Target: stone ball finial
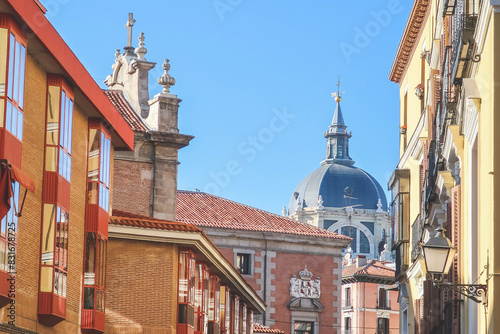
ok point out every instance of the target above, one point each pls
(166, 80)
(141, 50)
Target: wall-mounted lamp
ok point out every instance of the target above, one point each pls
(419, 91)
(438, 257)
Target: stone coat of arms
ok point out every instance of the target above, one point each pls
(305, 287)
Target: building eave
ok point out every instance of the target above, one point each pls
(407, 44)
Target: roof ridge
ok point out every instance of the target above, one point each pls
(259, 210)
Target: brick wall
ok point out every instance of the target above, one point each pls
(142, 287)
(135, 180)
(28, 254)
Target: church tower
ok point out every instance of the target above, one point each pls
(341, 197)
(157, 139)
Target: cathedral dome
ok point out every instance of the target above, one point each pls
(339, 185)
(338, 182)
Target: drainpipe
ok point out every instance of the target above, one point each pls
(153, 186)
(264, 280)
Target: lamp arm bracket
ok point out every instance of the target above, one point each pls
(476, 292)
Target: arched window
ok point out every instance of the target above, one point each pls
(364, 244)
(360, 242)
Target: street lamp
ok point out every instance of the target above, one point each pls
(438, 256)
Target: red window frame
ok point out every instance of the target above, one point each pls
(214, 308)
(225, 309)
(96, 230)
(12, 63)
(55, 201)
(186, 288)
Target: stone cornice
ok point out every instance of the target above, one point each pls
(411, 33)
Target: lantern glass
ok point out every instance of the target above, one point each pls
(436, 259)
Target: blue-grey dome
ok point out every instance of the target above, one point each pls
(332, 181)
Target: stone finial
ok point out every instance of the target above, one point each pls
(320, 202)
(141, 50)
(166, 80)
(117, 54)
(348, 256)
(284, 211)
(379, 206)
(299, 204)
(385, 255)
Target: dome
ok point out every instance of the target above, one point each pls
(339, 186)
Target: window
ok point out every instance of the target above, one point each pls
(382, 326)
(347, 325)
(12, 78)
(201, 298)
(214, 304)
(303, 327)
(243, 263)
(96, 230)
(235, 314)
(54, 260)
(360, 242)
(347, 296)
(328, 223)
(187, 273)
(59, 128)
(383, 298)
(225, 309)
(370, 226)
(12, 73)
(99, 168)
(95, 272)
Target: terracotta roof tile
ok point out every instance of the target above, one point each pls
(130, 219)
(372, 268)
(116, 97)
(206, 210)
(257, 328)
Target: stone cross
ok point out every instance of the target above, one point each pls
(129, 25)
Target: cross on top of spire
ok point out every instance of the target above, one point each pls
(129, 25)
(338, 93)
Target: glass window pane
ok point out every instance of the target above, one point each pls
(3, 59)
(46, 279)
(20, 125)
(90, 247)
(13, 127)
(51, 159)
(364, 244)
(49, 217)
(63, 117)
(103, 155)
(88, 298)
(53, 115)
(8, 117)
(70, 136)
(351, 232)
(11, 66)
(21, 76)
(15, 92)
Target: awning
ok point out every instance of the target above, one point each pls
(8, 173)
(22, 179)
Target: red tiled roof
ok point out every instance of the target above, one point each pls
(206, 210)
(130, 219)
(372, 268)
(116, 97)
(263, 329)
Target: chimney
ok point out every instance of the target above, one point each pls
(360, 261)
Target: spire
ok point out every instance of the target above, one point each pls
(129, 49)
(337, 146)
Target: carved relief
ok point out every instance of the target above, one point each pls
(305, 287)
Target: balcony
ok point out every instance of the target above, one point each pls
(462, 44)
(416, 233)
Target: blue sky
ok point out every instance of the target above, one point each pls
(255, 78)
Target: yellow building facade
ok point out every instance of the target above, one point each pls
(447, 69)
